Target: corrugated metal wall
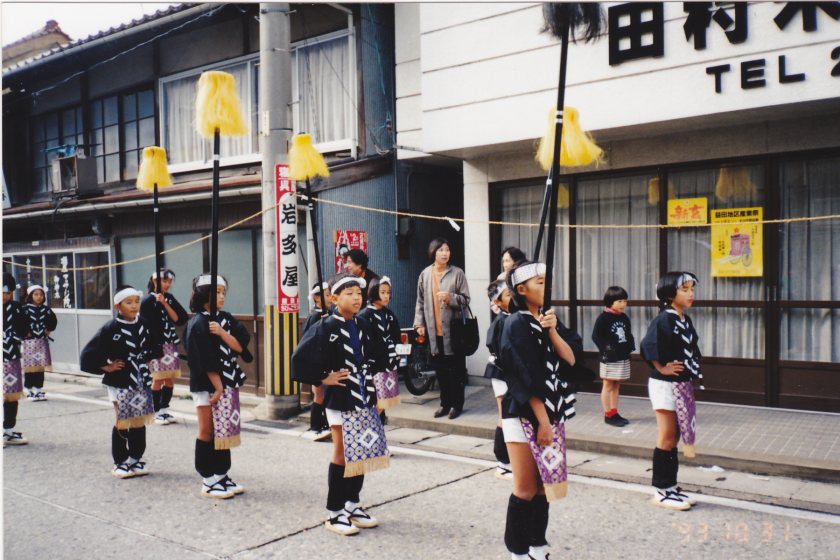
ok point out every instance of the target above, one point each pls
(377, 72)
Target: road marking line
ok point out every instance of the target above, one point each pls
(605, 483)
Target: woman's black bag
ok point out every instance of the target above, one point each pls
(463, 333)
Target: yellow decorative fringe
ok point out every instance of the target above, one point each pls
(562, 197)
(734, 182)
(578, 147)
(153, 169)
(136, 422)
(34, 369)
(653, 191)
(172, 374)
(382, 404)
(688, 450)
(217, 106)
(367, 466)
(556, 491)
(12, 397)
(304, 160)
(228, 442)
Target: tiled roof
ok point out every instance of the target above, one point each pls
(51, 27)
(133, 23)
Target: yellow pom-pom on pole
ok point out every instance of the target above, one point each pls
(304, 160)
(217, 106)
(578, 147)
(734, 182)
(653, 191)
(562, 197)
(153, 169)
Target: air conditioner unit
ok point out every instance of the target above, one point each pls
(74, 175)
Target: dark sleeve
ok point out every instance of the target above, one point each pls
(631, 341)
(310, 360)
(656, 340)
(395, 328)
(183, 317)
(598, 334)
(519, 355)
(579, 371)
(147, 308)
(50, 320)
(696, 338)
(21, 323)
(152, 348)
(202, 349)
(95, 354)
(313, 318)
(239, 332)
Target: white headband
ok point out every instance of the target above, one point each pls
(6, 289)
(126, 293)
(205, 279)
(525, 273)
(167, 274)
(34, 287)
(497, 293)
(316, 289)
(685, 277)
(346, 280)
(385, 280)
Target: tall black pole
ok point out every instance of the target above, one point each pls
(546, 196)
(314, 221)
(158, 244)
(214, 232)
(555, 170)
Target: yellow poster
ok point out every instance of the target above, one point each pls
(687, 211)
(737, 249)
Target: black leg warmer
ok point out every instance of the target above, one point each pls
(10, 409)
(156, 395)
(661, 475)
(33, 379)
(315, 416)
(353, 486)
(540, 506)
(336, 495)
(221, 460)
(165, 396)
(520, 518)
(119, 445)
(204, 457)
(137, 442)
(499, 447)
(673, 466)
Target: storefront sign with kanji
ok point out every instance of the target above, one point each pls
(288, 288)
(688, 211)
(344, 242)
(737, 247)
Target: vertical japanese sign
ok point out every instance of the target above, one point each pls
(287, 243)
(344, 242)
(688, 211)
(737, 247)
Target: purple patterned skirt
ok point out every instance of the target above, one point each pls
(686, 414)
(167, 367)
(387, 389)
(365, 446)
(12, 381)
(135, 407)
(36, 355)
(551, 460)
(227, 419)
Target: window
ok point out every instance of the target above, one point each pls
(323, 89)
(51, 130)
(121, 126)
(94, 285)
(61, 282)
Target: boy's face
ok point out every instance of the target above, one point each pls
(6, 297)
(504, 299)
(129, 307)
(348, 300)
(619, 305)
(685, 295)
(384, 294)
(533, 290)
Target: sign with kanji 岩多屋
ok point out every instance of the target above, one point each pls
(737, 243)
(288, 297)
(688, 211)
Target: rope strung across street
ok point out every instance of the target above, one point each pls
(439, 218)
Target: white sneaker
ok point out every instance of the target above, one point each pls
(122, 470)
(232, 486)
(162, 419)
(359, 517)
(692, 501)
(340, 523)
(14, 438)
(216, 490)
(668, 498)
(138, 468)
(503, 472)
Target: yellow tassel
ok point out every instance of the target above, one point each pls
(382, 404)
(734, 182)
(153, 169)
(217, 106)
(688, 450)
(653, 191)
(556, 491)
(304, 160)
(562, 197)
(357, 468)
(578, 147)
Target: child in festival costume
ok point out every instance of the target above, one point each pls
(615, 343)
(121, 350)
(342, 352)
(215, 378)
(164, 313)
(671, 349)
(35, 349)
(386, 324)
(538, 356)
(14, 328)
(317, 417)
(500, 298)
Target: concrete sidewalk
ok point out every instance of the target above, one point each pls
(758, 440)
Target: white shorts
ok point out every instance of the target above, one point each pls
(512, 430)
(201, 398)
(661, 394)
(499, 387)
(334, 417)
(112, 394)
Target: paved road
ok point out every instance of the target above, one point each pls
(60, 501)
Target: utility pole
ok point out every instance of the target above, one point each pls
(281, 329)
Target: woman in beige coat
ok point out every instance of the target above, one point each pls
(441, 291)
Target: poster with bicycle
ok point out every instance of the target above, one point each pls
(737, 243)
(345, 241)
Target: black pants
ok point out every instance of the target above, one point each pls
(33, 379)
(10, 410)
(452, 376)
